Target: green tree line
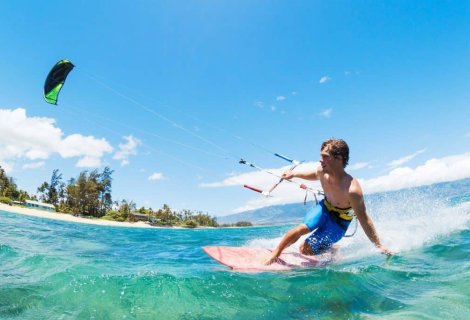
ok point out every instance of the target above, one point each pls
(89, 194)
(165, 216)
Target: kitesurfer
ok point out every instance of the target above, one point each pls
(329, 220)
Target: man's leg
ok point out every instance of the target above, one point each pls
(306, 249)
(313, 220)
(291, 237)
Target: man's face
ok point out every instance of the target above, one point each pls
(328, 162)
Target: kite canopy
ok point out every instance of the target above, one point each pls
(55, 80)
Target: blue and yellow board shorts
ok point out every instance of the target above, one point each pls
(328, 228)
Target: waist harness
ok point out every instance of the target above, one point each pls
(346, 214)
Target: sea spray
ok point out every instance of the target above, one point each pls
(405, 220)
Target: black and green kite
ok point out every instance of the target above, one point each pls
(55, 80)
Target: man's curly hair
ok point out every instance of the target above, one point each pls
(337, 147)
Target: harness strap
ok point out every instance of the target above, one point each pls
(354, 232)
(342, 213)
(307, 189)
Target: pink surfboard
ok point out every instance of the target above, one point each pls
(251, 259)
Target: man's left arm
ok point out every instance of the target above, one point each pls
(357, 203)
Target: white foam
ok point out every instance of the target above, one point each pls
(405, 222)
(407, 225)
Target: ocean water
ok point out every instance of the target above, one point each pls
(57, 270)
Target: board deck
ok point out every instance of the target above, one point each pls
(251, 259)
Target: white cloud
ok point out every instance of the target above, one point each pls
(405, 159)
(324, 79)
(350, 73)
(37, 138)
(326, 113)
(127, 149)
(467, 135)
(358, 166)
(259, 104)
(8, 167)
(156, 176)
(232, 181)
(294, 93)
(34, 165)
(32, 138)
(280, 98)
(89, 148)
(432, 171)
(260, 202)
(273, 108)
(88, 162)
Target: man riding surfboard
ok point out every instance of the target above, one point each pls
(329, 220)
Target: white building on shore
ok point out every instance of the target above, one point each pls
(39, 205)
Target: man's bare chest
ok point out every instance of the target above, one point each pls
(336, 193)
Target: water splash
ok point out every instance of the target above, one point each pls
(405, 220)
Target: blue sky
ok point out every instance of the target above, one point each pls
(162, 89)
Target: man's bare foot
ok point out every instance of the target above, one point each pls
(270, 259)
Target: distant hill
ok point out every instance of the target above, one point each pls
(280, 214)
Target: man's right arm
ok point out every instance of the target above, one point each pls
(306, 175)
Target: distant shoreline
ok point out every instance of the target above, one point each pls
(70, 218)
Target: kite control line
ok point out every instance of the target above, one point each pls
(268, 193)
(56, 79)
(294, 163)
(242, 161)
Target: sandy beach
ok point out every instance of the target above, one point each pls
(70, 218)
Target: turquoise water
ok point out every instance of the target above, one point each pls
(57, 270)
